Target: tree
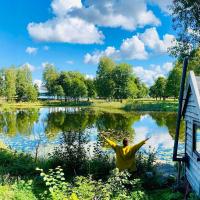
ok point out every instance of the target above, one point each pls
(50, 76)
(78, 89)
(186, 21)
(25, 89)
(2, 83)
(173, 82)
(91, 88)
(65, 81)
(123, 78)
(104, 82)
(160, 85)
(31, 93)
(10, 83)
(142, 89)
(153, 92)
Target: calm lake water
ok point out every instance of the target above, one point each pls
(41, 130)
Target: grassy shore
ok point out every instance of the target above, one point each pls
(126, 105)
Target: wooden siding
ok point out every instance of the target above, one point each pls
(193, 169)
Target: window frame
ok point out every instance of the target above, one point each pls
(195, 126)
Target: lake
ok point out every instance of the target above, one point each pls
(39, 131)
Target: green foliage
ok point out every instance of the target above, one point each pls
(186, 21)
(10, 83)
(159, 88)
(50, 76)
(119, 186)
(91, 88)
(173, 82)
(105, 85)
(20, 190)
(193, 196)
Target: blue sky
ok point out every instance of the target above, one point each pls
(74, 34)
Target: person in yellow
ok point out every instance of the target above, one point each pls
(125, 155)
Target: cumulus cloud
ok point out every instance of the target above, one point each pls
(127, 14)
(163, 4)
(135, 48)
(31, 67)
(152, 40)
(65, 28)
(78, 22)
(149, 75)
(31, 50)
(68, 30)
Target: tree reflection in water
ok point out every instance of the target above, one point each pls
(74, 129)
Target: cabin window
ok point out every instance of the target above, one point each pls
(196, 144)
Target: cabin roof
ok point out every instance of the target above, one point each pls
(192, 86)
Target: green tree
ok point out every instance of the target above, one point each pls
(186, 21)
(153, 92)
(10, 83)
(161, 87)
(91, 88)
(50, 77)
(65, 81)
(104, 82)
(78, 89)
(173, 82)
(25, 89)
(2, 83)
(142, 89)
(123, 78)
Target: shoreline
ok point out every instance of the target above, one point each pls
(126, 106)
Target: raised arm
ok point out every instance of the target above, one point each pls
(137, 146)
(110, 142)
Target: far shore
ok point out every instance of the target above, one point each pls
(147, 104)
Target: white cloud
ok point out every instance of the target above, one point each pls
(168, 66)
(149, 75)
(31, 67)
(46, 48)
(38, 83)
(61, 7)
(127, 14)
(89, 76)
(68, 30)
(64, 28)
(152, 40)
(77, 22)
(70, 62)
(31, 50)
(135, 48)
(163, 4)
(44, 64)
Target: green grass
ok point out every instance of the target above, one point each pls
(136, 105)
(147, 104)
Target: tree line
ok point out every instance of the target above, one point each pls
(16, 84)
(170, 86)
(113, 81)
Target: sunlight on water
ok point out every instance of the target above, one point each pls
(41, 130)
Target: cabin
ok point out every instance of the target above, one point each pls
(190, 112)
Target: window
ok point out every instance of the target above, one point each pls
(196, 138)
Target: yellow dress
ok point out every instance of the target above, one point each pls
(125, 156)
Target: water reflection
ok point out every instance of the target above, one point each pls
(40, 131)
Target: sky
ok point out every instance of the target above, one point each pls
(74, 34)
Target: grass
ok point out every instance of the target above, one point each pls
(147, 104)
